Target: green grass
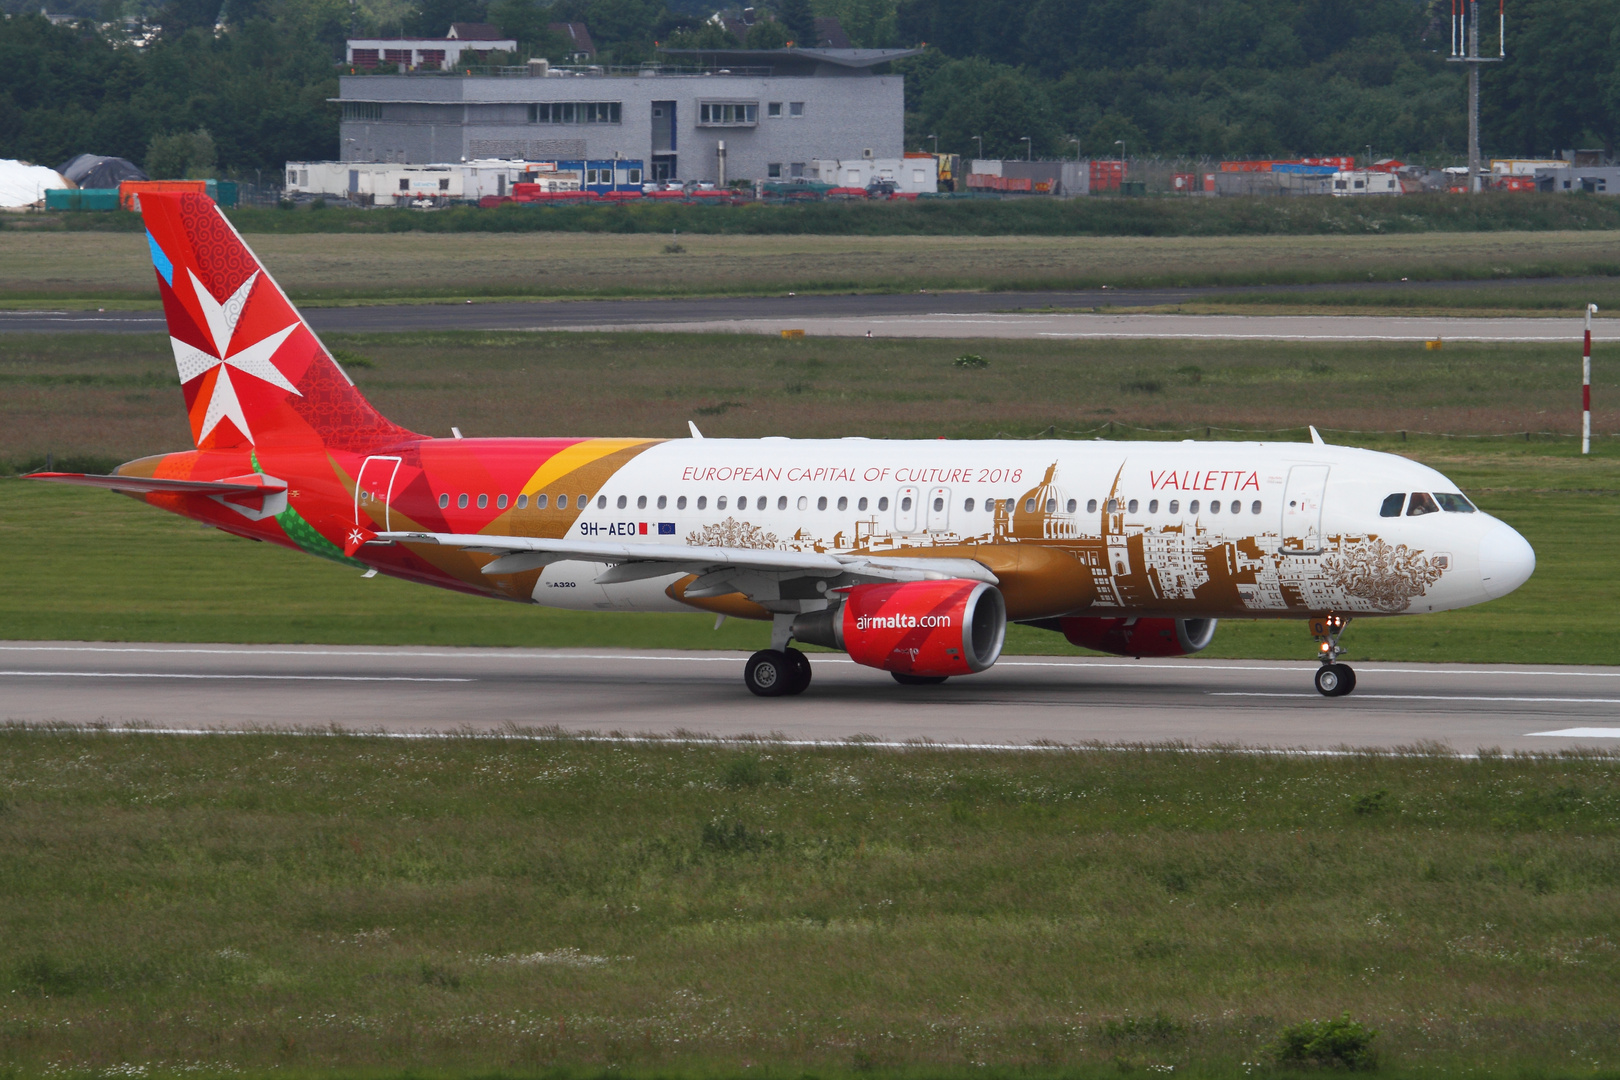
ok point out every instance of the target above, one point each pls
(348, 906)
(1491, 212)
(93, 565)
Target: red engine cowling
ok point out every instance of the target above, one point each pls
(1139, 637)
(927, 628)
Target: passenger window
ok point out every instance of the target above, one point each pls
(483, 501)
(1454, 504)
(1113, 506)
(1214, 506)
(1051, 506)
(1192, 507)
(781, 502)
(562, 502)
(1153, 506)
(523, 502)
(1072, 505)
(1236, 507)
(623, 502)
(500, 502)
(905, 503)
(939, 504)
(540, 502)
(663, 501)
(804, 503)
(862, 504)
(821, 503)
(1091, 506)
(1130, 507)
(1175, 506)
(1255, 509)
(967, 506)
(680, 503)
(582, 501)
(461, 501)
(444, 500)
(1029, 506)
(601, 502)
(641, 502)
(703, 502)
(843, 502)
(720, 503)
(1392, 505)
(742, 503)
(883, 503)
(1422, 503)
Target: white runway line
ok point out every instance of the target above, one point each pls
(1428, 697)
(184, 675)
(1580, 733)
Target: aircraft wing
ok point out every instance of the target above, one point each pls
(723, 568)
(248, 485)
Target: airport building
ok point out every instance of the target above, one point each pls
(715, 116)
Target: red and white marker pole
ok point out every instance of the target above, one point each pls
(1586, 385)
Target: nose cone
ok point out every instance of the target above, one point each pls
(1506, 560)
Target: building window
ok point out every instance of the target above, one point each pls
(774, 109)
(635, 176)
(366, 58)
(796, 108)
(774, 170)
(361, 110)
(430, 58)
(574, 112)
(728, 113)
(796, 170)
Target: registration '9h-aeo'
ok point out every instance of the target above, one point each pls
(911, 556)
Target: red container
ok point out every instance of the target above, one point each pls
(1106, 175)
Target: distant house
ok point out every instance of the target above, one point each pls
(580, 45)
(830, 34)
(474, 31)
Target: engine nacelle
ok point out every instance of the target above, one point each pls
(927, 628)
(1138, 637)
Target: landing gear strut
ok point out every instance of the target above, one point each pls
(1333, 679)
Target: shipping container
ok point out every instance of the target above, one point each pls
(81, 198)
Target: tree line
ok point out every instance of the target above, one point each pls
(1216, 78)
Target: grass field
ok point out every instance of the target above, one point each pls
(44, 268)
(276, 905)
(99, 566)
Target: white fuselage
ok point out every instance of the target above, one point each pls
(1190, 529)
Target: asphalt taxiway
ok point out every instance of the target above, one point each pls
(1022, 701)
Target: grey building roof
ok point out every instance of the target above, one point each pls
(792, 61)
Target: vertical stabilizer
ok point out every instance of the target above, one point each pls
(253, 371)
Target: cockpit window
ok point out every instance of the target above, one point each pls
(1392, 505)
(1422, 503)
(1454, 504)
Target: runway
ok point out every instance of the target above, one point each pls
(1022, 702)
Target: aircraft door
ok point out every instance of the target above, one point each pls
(1302, 510)
(372, 491)
(939, 509)
(905, 509)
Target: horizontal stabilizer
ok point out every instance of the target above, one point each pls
(237, 485)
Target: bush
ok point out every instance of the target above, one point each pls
(1342, 1043)
(971, 360)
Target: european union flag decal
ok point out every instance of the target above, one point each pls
(666, 528)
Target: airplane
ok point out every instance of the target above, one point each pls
(911, 556)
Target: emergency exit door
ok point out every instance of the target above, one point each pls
(372, 491)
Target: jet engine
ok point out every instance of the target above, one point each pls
(922, 629)
(1137, 637)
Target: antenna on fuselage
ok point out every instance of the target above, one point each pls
(1315, 438)
(696, 434)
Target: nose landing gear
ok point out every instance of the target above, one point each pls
(1333, 679)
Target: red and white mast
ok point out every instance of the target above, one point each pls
(1586, 384)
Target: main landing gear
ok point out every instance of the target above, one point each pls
(1333, 679)
(777, 672)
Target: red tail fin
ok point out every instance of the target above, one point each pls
(253, 371)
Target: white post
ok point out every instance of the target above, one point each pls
(1586, 385)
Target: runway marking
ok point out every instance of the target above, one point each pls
(1078, 662)
(1580, 733)
(1427, 697)
(186, 675)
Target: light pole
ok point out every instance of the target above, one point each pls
(936, 144)
(1029, 147)
(980, 140)
(1369, 156)
(1123, 168)
(1076, 142)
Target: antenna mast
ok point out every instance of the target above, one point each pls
(1465, 50)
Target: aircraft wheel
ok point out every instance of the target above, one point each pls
(917, 680)
(1335, 680)
(768, 673)
(799, 667)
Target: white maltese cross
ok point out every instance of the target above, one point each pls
(253, 360)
